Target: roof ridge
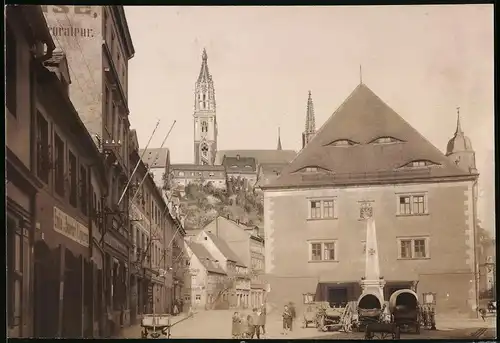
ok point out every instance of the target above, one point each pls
(327, 121)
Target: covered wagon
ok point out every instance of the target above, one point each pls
(405, 309)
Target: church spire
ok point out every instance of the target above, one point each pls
(279, 140)
(204, 88)
(459, 127)
(310, 128)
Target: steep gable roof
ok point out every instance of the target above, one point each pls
(357, 124)
(206, 259)
(225, 249)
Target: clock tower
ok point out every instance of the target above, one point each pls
(205, 122)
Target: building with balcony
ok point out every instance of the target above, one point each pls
(367, 159)
(28, 44)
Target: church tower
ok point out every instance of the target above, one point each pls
(205, 122)
(310, 129)
(459, 149)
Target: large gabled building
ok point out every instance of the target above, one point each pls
(367, 159)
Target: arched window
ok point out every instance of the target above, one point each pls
(204, 126)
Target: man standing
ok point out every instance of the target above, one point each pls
(262, 318)
(254, 324)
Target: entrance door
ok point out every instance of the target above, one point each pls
(337, 296)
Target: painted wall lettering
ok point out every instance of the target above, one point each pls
(69, 227)
(78, 10)
(71, 32)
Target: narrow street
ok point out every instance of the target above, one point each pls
(217, 324)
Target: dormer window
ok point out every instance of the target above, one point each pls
(312, 169)
(385, 140)
(342, 143)
(247, 166)
(234, 166)
(420, 164)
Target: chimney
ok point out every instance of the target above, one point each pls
(237, 157)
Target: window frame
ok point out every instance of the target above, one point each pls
(59, 164)
(323, 243)
(411, 204)
(321, 208)
(42, 147)
(426, 240)
(73, 178)
(84, 192)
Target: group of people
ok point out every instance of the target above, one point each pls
(254, 324)
(250, 326)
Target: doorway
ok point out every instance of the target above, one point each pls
(337, 296)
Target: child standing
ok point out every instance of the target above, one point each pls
(287, 320)
(236, 328)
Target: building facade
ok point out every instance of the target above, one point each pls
(248, 244)
(423, 203)
(28, 44)
(203, 277)
(98, 46)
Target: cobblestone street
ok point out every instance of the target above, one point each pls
(217, 324)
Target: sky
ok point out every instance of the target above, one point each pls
(423, 61)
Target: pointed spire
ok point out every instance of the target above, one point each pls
(279, 140)
(459, 127)
(310, 120)
(360, 75)
(204, 73)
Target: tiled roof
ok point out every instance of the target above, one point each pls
(196, 167)
(261, 156)
(240, 164)
(225, 249)
(150, 156)
(205, 258)
(360, 120)
(272, 167)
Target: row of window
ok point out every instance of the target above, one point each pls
(56, 160)
(114, 47)
(408, 204)
(408, 248)
(115, 123)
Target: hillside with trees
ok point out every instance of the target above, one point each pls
(203, 203)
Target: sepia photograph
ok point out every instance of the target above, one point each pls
(250, 172)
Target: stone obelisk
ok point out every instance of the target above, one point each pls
(372, 281)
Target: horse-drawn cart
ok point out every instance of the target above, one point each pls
(329, 318)
(158, 325)
(372, 318)
(405, 310)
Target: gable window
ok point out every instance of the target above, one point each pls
(420, 164)
(42, 148)
(59, 165)
(311, 169)
(413, 248)
(72, 179)
(11, 71)
(412, 204)
(385, 140)
(323, 251)
(343, 142)
(83, 190)
(322, 209)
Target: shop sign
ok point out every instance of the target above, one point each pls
(114, 243)
(70, 227)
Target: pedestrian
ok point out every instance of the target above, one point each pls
(287, 320)
(482, 313)
(181, 305)
(253, 321)
(262, 318)
(237, 326)
(176, 308)
(291, 306)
